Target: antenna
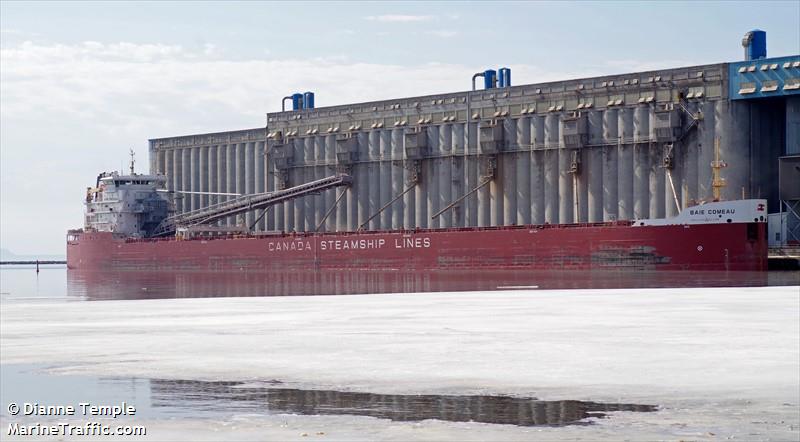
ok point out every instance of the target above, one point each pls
(133, 160)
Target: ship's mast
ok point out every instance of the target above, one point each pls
(716, 165)
(133, 160)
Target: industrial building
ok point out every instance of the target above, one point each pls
(616, 147)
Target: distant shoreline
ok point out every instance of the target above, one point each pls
(3, 263)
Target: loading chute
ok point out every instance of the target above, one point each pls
(246, 203)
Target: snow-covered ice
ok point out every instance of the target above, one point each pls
(719, 362)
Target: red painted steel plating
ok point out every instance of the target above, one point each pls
(735, 246)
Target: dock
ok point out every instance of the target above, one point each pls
(784, 258)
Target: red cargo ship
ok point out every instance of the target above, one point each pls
(725, 235)
(734, 246)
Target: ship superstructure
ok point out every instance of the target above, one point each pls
(130, 206)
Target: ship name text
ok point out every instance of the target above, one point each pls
(349, 244)
(285, 246)
(378, 243)
(712, 212)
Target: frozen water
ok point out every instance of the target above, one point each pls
(722, 361)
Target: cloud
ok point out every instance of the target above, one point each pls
(30, 54)
(645, 65)
(443, 33)
(16, 32)
(210, 49)
(69, 111)
(392, 18)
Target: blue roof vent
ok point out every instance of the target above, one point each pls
(504, 77)
(755, 45)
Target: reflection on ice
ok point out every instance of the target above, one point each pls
(484, 409)
(153, 285)
(159, 398)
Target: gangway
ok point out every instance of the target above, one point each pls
(246, 203)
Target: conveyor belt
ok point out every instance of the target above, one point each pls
(246, 203)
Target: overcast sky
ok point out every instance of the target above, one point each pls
(81, 83)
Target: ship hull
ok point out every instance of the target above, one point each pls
(733, 246)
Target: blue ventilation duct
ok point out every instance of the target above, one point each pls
(489, 78)
(297, 102)
(505, 77)
(755, 45)
(308, 100)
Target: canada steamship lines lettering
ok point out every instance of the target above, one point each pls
(349, 244)
(379, 243)
(287, 246)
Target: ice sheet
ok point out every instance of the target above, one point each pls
(710, 357)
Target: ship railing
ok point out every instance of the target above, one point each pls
(618, 223)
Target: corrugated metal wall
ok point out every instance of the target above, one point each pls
(230, 162)
(578, 151)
